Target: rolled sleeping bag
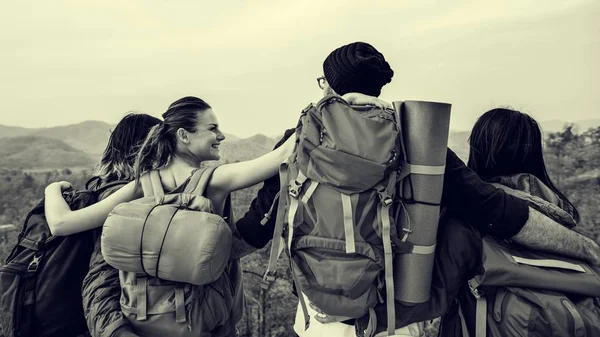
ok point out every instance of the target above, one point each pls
(424, 136)
(175, 237)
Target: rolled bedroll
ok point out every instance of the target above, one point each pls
(424, 138)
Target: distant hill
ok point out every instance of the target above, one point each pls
(37, 152)
(262, 140)
(242, 150)
(14, 131)
(89, 136)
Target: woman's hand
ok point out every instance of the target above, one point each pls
(59, 186)
(356, 98)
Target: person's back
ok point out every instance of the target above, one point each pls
(506, 149)
(52, 282)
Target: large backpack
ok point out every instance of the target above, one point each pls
(40, 282)
(520, 292)
(173, 256)
(337, 209)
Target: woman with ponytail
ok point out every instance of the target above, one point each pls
(188, 135)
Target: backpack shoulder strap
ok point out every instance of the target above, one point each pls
(152, 186)
(199, 181)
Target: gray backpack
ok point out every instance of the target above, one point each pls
(337, 209)
(173, 256)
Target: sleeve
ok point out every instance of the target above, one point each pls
(249, 226)
(489, 209)
(101, 292)
(455, 262)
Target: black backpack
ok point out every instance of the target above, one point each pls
(40, 282)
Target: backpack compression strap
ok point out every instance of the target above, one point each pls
(383, 214)
(151, 186)
(480, 310)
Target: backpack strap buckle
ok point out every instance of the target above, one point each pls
(295, 189)
(268, 278)
(473, 286)
(296, 185)
(34, 264)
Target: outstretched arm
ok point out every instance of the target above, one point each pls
(232, 177)
(542, 233)
(63, 221)
(493, 211)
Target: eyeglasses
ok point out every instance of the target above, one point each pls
(321, 81)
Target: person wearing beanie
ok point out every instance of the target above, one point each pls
(357, 67)
(358, 72)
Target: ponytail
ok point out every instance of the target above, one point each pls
(155, 152)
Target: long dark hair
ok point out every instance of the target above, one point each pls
(506, 142)
(125, 140)
(161, 143)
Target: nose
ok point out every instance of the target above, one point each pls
(220, 136)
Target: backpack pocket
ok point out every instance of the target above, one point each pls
(522, 311)
(338, 283)
(16, 310)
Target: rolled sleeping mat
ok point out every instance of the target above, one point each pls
(424, 135)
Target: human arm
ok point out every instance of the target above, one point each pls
(101, 293)
(495, 212)
(232, 177)
(63, 221)
(249, 226)
(542, 233)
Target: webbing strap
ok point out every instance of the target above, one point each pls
(427, 169)
(157, 188)
(276, 244)
(205, 176)
(142, 308)
(194, 180)
(463, 323)
(481, 316)
(309, 192)
(291, 216)
(423, 250)
(179, 304)
(389, 266)
(348, 223)
(146, 185)
(302, 301)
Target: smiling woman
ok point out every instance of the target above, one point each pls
(169, 161)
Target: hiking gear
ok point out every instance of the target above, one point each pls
(520, 292)
(335, 204)
(424, 134)
(40, 282)
(174, 236)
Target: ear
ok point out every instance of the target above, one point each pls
(183, 136)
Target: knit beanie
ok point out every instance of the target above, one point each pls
(357, 67)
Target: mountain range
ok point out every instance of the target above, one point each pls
(82, 144)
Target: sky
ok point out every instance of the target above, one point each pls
(256, 62)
